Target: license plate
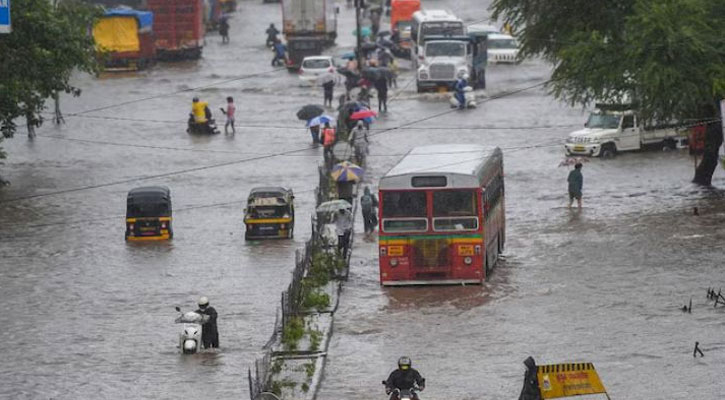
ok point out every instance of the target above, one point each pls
(465, 250)
(579, 148)
(395, 251)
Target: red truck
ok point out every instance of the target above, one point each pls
(178, 27)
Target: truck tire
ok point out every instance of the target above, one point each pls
(609, 150)
(418, 88)
(669, 144)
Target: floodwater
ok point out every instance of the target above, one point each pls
(90, 316)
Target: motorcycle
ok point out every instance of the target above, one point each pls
(468, 96)
(190, 336)
(206, 128)
(404, 394)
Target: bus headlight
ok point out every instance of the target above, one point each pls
(394, 262)
(467, 260)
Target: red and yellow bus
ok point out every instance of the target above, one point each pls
(442, 216)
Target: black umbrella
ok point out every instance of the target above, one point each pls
(372, 73)
(385, 43)
(347, 73)
(310, 111)
(383, 33)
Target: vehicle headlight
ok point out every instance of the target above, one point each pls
(423, 74)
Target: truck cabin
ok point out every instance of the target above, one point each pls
(602, 119)
(428, 23)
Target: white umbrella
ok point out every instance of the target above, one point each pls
(324, 78)
(333, 206)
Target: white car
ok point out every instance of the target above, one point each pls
(314, 67)
(502, 48)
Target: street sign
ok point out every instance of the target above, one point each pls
(4, 16)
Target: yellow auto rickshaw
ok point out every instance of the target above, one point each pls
(270, 213)
(148, 214)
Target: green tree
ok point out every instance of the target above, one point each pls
(667, 55)
(47, 44)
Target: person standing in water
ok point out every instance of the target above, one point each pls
(576, 181)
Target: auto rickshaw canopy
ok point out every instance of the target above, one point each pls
(149, 201)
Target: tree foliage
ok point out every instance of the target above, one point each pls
(47, 44)
(667, 55)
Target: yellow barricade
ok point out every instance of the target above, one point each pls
(570, 379)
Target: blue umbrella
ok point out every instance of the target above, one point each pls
(322, 119)
(348, 56)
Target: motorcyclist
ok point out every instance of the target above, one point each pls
(272, 33)
(404, 378)
(209, 332)
(200, 114)
(460, 86)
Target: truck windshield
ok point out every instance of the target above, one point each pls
(441, 28)
(502, 44)
(445, 49)
(603, 121)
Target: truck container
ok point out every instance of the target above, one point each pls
(310, 18)
(125, 38)
(179, 28)
(614, 128)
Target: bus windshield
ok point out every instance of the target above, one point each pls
(445, 49)
(441, 28)
(603, 121)
(404, 204)
(455, 210)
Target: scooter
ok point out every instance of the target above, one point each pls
(190, 336)
(468, 96)
(207, 128)
(404, 394)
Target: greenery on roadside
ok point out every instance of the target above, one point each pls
(315, 339)
(667, 56)
(277, 387)
(293, 331)
(47, 44)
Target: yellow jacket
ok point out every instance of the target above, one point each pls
(197, 109)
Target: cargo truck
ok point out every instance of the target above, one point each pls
(310, 19)
(178, 27)
(614, 128)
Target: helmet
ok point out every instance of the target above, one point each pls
(404, 363)
(195, 99)
(203, 301)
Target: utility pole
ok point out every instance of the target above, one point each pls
(358, 5)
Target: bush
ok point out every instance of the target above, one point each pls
(294, 330)
(315, 339)
(314, 299)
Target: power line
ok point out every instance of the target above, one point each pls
(242, 161)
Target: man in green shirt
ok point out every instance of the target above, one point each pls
(576, 180)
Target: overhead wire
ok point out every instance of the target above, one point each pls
(234, 162)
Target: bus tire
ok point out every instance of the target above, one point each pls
(499, 241)
(487, 269)
(609, 150)
(669, 144)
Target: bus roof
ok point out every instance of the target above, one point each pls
(435, 15)
(464, 163)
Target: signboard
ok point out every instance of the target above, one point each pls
(571, 379)
(4, 16)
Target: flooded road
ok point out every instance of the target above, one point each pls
(90, 316)
(603, 285)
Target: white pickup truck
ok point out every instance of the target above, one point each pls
(608, 132)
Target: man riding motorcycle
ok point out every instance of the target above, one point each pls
(200, 117)
(460, 87)
(404, 378)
